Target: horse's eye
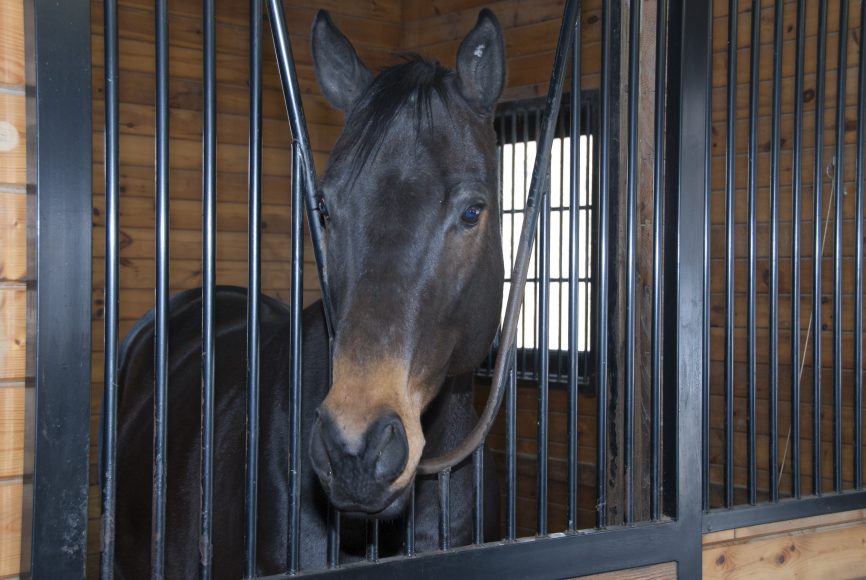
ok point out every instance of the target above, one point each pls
(471, 215)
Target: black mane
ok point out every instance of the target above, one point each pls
(406, 87)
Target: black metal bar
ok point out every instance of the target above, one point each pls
(658, 209)
(631, 234)
(511, 452)
(372, 540)
(478, 495)
(409, 522)
(573, 285)
(543, 327)
(730, 195)
(785, 509)
(111, 297)
(297, 291)
(602, 249)
(687, 152)
(160, 351)
(817, 248)
(858, 260)
(208, 286)
(754, 80)
(445, 509)
(796, 221)
(295, 108)
(775, 145)
(254, 285)
(333, 548)
(59, 294)
(563, 556)
(841, 78)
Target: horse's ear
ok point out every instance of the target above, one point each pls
(341, 74)
(481, 62)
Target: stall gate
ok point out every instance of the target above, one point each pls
(655, 283)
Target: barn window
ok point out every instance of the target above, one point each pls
(518, 125)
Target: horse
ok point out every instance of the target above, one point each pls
(415, 266)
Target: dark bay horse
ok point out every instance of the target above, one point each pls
(415, 265)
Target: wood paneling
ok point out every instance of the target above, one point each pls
(666, 571)
(13, 151)
(11, 431)
(10, 527)
(13, 237)
(822, 547)
(13, 332)
(12, 43)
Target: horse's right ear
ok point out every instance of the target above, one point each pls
(341, 74)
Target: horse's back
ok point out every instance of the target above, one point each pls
(135, 433)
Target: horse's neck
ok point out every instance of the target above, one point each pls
(450, 416)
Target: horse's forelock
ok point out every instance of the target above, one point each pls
(406, 87)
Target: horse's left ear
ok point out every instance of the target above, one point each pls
(481, 62)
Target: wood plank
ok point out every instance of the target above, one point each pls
(12, 43)
(836, 552)
(13, 332)
(10, 527)
(13, 237)
(666, 571)
(13, 150)
(12, 431)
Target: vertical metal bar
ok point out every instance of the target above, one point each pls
(254, 265)
(858, 260)
(409, 521)
(445, 509)
(817, 247)
(297, 304)
(573, 276)
(602, 256)
(208, 287)
(333, 537)
(775, 145)
(543, 286)
(707, 286)
(754, 80)
(730, 193)
(112, 203)
(511, 451)
(631, 234)
(292, 95)
(796, 221)
(52, 498)
(160, 395)
(658, 209)
(372, 540)
(841, 78)
(478, 495)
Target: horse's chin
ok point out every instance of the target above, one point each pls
(392, 510)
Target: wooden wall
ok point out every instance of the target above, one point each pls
(718, 253)
(13, 279)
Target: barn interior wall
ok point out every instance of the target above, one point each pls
(718, 248)
(13, 280)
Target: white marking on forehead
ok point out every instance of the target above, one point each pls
(479, 51)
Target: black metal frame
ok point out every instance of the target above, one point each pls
(56, 458)
(57, 452)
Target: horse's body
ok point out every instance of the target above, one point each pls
(415, 266)
(446, 422)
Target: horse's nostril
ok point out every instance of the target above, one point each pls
(392, 451)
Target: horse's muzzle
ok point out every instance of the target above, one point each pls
(358, 472)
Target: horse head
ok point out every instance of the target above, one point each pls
(413, 254)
